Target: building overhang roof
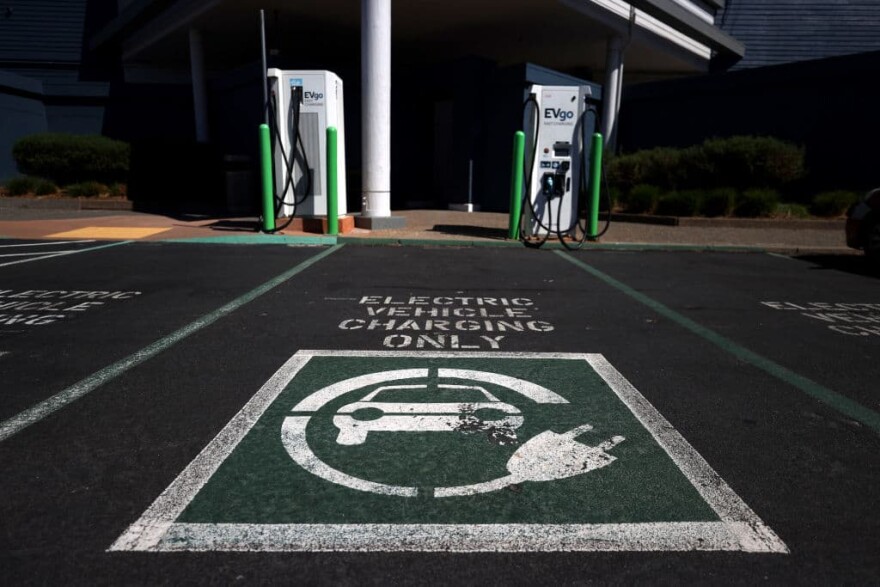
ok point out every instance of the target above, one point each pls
(663, 35)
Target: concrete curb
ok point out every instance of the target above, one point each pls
(783, 223)
(314, 241)
(701, 222)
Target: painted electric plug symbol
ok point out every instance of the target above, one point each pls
(546, 457)
(550, 456)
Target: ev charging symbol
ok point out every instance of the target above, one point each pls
(547, 456)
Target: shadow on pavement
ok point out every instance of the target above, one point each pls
(857, 264)
(470, 230)
(235, 225)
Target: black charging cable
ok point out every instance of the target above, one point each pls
(527, 192)
(289, 162)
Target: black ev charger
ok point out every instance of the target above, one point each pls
(527, 192)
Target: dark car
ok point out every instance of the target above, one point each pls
(863, 225)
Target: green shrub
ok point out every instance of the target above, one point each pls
(757, 202)
(641, 199)
(118, 190)
(792, 211)
(45, 187)
(684, 203)
(20, 186)
(742, 162)
(751, 162)
(86, 189)
(660, 166)
(66, 158)
(623, 172)
(718, 202)
(833, 203)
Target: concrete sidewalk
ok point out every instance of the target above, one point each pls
(440, 226)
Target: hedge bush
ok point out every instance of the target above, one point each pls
(660, 167)
(719, 202)
(86, 189)
(67, 158)
(118, 190)
(641, 199)
(742, 162)
(788, 210)
(752, 162)
(833, 203)
(683, 203)
(757, 202)
(20, 186)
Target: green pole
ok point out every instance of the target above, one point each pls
(595, 182)
(516, 184)
(268, 188)
(332, 183)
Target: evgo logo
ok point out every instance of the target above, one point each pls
(558, 114)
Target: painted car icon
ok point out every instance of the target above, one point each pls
(356, 420)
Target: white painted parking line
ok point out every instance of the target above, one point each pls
(47, 244)
(53, 254)
(62, 254)
(36, 413)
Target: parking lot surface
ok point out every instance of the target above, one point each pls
(349, 414)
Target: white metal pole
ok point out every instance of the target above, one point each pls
(612, 89)
(376, 107)
(199, 84)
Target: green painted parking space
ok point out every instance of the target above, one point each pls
(365, 451)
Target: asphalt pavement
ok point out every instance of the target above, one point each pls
(193, 412)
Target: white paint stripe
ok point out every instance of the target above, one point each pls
(663, 536)
(54, 254)
(146, 533)
(293, 436)
(445, 354)
(314, 402)
(46, 244)
(28, 260)
(43, 409)
(720, 497)
(485, 487)
(62, 254)
(533, 391)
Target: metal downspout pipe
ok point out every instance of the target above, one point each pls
(612, 90)
(199, 84)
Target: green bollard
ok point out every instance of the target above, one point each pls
(332, 183)
(516, 184)
(595, 182)
(268, 188)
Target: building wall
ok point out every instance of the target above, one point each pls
(47, 81)
(808, 77)
(827, 105)
(43, 31)
(22, 112)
